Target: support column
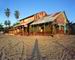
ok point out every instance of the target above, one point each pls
(53, 30)
(65, 28)
(44, 28)
(33, 29)
(59, 29)
(24, 30)
(28, 29)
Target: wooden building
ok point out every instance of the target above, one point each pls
(55, 23)
(23, 27)
(43, 24)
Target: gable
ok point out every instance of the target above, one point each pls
(61, 19)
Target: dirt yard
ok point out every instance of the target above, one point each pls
(58, 47)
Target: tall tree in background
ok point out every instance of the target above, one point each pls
(7, 13)
(17, 14)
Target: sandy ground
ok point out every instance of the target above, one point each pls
(58, 47)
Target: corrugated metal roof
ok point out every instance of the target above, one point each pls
(43, 20)
(46, 19)
(29, 19)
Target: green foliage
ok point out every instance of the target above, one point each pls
(7, 12)
(15, 24)
(1, 27)
(7, 23)
(16, 14)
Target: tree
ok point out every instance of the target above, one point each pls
(17, 14)
(15, 23)
(7, 13)
(9, 23)
(1, 27)
(6, 23)
(69, 26)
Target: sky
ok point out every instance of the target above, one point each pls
(30, 7)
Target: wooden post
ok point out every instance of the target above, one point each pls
(33, 29)
(44, 28)
(59, 28)
(28, 29)
(65, 28)
(53, 29)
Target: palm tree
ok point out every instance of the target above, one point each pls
(6, 28)
(1, 27)
(7, 13)
(6, 23)
(17, 14)
(9, 23)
